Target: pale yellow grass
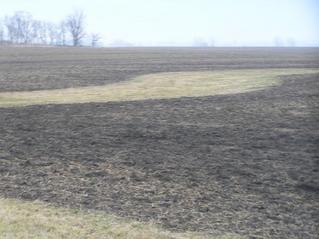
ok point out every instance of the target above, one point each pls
(36, 220)
(158, 86)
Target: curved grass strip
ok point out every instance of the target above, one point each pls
(35, 220)
(158, 86)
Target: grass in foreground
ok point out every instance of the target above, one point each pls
(26, 220)
(157, 86)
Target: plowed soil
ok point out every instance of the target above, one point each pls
(242, 163)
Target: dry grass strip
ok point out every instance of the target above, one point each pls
(35, 220)
(157, 86)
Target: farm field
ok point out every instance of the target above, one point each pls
(124, 132)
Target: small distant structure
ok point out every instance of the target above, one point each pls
(278, 42)
(95, 38)
(291, 42)
(200, 42)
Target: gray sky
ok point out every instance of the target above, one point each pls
(183, 22)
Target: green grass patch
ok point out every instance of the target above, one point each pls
(35, 220)
(158, 86)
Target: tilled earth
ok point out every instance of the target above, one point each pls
(245, 163)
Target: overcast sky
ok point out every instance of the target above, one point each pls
(183, 22)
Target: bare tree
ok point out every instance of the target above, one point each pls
(95, 38)
(11, 29)
(26, 27)
(1, 33)
(43, 33)
(53, 33)
(36, 32)
(75, 25)
(39, 34)
(63, 33)
(19, 27)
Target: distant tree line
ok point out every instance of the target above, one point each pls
(21, 28)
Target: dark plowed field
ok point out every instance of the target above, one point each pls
(245, 163)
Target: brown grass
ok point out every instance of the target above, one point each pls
(26, 220)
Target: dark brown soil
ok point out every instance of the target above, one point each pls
(244, 163)
(53, 68)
